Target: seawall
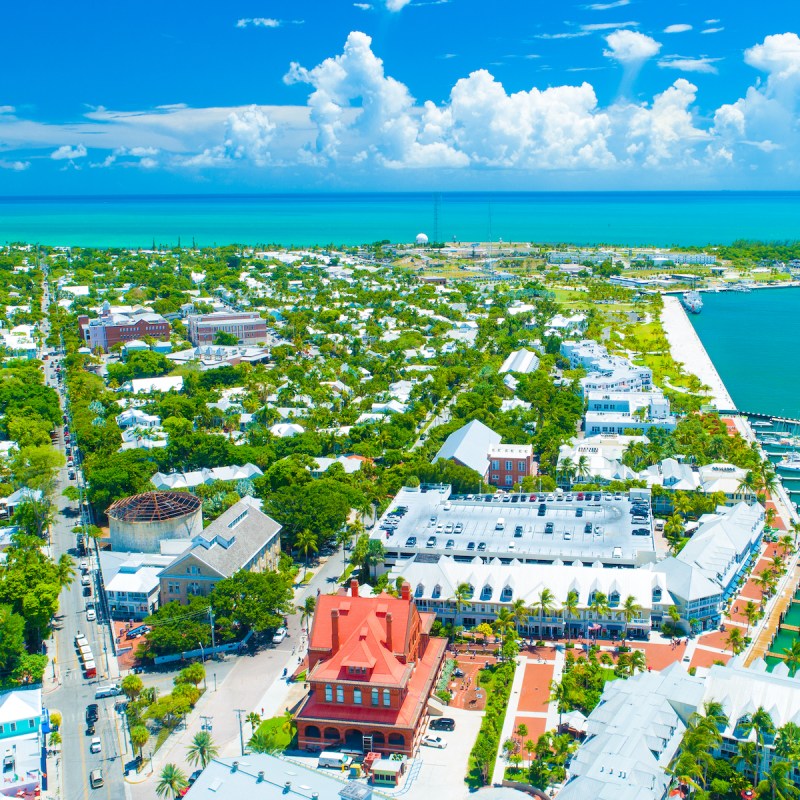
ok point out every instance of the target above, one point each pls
(687, 349)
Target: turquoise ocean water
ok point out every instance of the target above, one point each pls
(628, 218)
(753, 339)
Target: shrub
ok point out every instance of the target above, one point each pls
(445, 695)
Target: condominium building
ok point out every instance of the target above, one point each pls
(619, 412)
(247, 326)
(605, 373)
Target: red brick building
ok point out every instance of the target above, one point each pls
(110, 329)
(247, 326)
(372, 667)
(509, 464)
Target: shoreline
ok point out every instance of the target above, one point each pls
(688, 350)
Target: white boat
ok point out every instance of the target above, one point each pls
(692, 302)
(791, 463)
(760, 423)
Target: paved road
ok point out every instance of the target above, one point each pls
(66, 689)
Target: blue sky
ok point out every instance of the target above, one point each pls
(271, 95)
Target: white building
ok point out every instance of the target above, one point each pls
(605, 373)
(521, 361)
(191, 480)
(617, 412)
(601, 457)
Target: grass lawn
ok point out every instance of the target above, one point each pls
(273, 727)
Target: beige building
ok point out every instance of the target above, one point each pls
(242, 538)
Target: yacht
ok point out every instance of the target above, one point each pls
(790, 463)
(692, 302)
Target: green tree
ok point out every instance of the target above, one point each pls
(307, 611)
(630, 610)
(139, 736)
(570, 608)
(131, 686)
(544, 604)
(255, 601)
(194, 674)
(171, 781)
(202, 750)
(262, 741)
(306, 542)
(226, 339)
(735, 641)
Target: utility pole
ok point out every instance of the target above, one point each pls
(211, 622)
(239, 712)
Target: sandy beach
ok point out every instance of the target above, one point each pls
(686, 348)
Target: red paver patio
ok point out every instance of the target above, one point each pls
(718, 639)
(661, 655)
(535, 687)
(706, 658)
(465, 691)
(125, 648)
(536, 726)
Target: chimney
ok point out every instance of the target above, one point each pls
(389, 642)
(334, 630)
(354, 587)
(405, 591)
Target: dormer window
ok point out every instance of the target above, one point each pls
(507, 594)
(419, 591)
(486, 592)
(613, 599)
(437, 592)
(657, 594)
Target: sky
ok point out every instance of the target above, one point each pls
(398, 95)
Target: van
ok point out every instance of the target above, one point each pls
(96, 778)
(107, 690)
(500, 525)
(331, 760)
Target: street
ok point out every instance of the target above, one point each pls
(65, 688)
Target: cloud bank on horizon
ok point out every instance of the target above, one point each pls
(359, 125)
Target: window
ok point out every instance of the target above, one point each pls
(375, 700)
(387, 697)
(357, 697)
(12, 727)
(509, 480)
(340, 694)
(495, 465)
(520, 466)
(495, 477)
(328, 693)
(509, 466)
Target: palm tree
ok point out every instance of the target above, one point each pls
(461, 597)
(307, 611)
(778, 783)
(787, 743)
(504, 623)
(567, 468)
(599, 605)
(735, 641)
(287, 721)
(747, 757)
(760, 722)
(569, 608)
(630, 610)
(306, 542)
(748, 484)
(255, 720)
(66, 570)
(636, 661)
(751, 613)
(520, 613)
(582, 468)
(202, 750)
(544, 604)
(262, 741)
(786, 543)
(171, 781)
(682, 504)
(673, 530)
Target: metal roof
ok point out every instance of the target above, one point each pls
(154, 506)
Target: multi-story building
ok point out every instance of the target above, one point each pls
(605, 373)
(509, 464)
(495, 585)
(247, 326)
(618, 412)
(23, 723)
(109, 329)
(243, 538)
(372, 665)
(131, 582)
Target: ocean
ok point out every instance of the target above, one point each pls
(626, 218)
(753, 339)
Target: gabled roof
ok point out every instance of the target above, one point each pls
(470, 445)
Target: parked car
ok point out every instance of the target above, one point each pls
(431, 542)
(95, 745)
(96, 778)
(481, 546)
(91, 614)
(443, 724)
(279, 635)
(434, 741)
(92, 712)
(549, 527)
(411, 541)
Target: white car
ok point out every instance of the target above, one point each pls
(96, 745)
(91, 615)
(279, 636)
(434, 741)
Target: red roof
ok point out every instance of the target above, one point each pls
(362, 623)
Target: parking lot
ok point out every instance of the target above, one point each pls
(616, 529)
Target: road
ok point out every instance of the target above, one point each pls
(66, 690)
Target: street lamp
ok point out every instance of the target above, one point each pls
(202, 652)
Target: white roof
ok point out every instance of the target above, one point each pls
(521, 361)
(148, 385)
(20, 704)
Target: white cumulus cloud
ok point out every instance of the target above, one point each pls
(677, 28)
(14, 166)
(779, 55)
(630, 47)
(607, 6)
(67, 152)
(396, 5)
(700, 64)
